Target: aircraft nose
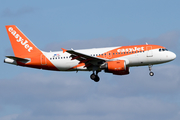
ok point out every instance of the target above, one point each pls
(172, 56)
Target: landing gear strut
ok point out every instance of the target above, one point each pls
(95, 77)
(150, 68)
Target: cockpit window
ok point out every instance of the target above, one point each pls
(162, 49)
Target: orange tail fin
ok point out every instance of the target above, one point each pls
(21, 45)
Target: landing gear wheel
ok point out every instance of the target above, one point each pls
(151, 74)
(97, 79)
(150, 68)
(93, 76)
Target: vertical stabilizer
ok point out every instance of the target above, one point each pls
(21, 45)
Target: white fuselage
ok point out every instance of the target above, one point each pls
(63, 61)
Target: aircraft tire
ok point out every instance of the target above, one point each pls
(93, 76)
(97, 79)
(151, 74)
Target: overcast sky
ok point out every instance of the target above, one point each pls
(30, 94)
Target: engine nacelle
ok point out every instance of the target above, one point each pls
(116, 67)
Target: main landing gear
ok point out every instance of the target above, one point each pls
(95, 77)
(151, 73)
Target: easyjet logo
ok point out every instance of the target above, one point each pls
(131, 49)
(20, 40)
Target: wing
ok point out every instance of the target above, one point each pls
(84, 58)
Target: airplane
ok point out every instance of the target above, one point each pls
(115, 60)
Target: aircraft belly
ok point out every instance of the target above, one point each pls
(65, 65)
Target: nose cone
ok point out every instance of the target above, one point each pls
(172, 55)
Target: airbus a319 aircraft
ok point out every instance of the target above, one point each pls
(115, 60)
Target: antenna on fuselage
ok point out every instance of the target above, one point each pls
(146, 43)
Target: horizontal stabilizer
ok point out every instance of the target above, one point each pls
(19, 59)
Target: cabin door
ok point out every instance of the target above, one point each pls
(43, 60)
(149, 51)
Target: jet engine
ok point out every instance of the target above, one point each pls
(116, 67)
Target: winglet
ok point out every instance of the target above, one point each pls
(64, 50)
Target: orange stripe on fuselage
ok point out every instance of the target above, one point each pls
(79, 65)
(127, 50)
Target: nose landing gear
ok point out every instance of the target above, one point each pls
(95, 77)
(151, 73)
(150, 68)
